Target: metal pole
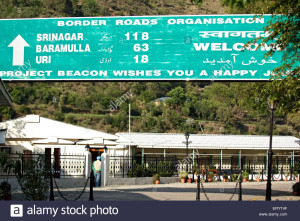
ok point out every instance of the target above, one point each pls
(123, 166)
(291, 171)
(221, 159)
(269, 190)
(91, 198)
(198, 188)
(51, 187)
(114, 167)
(129, 129)
(206, 173)
(240, 185)
(193, 160)
(132, 166)
(240, 160)
(156, 164)
(187, 165)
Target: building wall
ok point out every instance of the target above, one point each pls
(21, 146)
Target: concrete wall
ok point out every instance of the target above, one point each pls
(139, 180)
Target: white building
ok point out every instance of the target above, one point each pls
(212, 150)
(35, 134)
(64, 145)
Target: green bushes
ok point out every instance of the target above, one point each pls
(164, 169)
(5, 190)
(296, 189)
(156, 177)
(33, 178)
(245, 175)
(234, 177)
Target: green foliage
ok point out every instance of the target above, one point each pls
(164, 169)
(183, 175)
(177, 96)
(33, 177)
(210, 175)
(7, 113)
(296, 188)
(197, 2)
(235, 3)
(6, 164)
(234, 177)
(78, 12)
(155, 178)
(92, 8)
(233, 104)
(245, 175)
(23, 109)
(68, 9)
(137, 170)
(5, 188)
(285, 29)
(70, 119)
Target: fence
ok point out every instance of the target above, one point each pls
(278, 165)
(64, 166)
(124, 166)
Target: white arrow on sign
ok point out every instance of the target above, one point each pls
(18, 45)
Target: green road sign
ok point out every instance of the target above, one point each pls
(135, 48)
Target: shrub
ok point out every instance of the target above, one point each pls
(234, 177)
(5, 188)
(137, 170)
(156, 177)
(210, 175)
(245, 175)
(164, 169)
(183, 175)
(296, 188)
(34, 180)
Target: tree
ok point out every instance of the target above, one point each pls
(177, 96)
(78, 11)
(197, 2)
(284, 28)
(68, 9)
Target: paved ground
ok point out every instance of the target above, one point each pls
(179, 192)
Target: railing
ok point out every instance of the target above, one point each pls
(124, 166)
(63, 166)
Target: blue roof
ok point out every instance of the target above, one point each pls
(162, 99)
